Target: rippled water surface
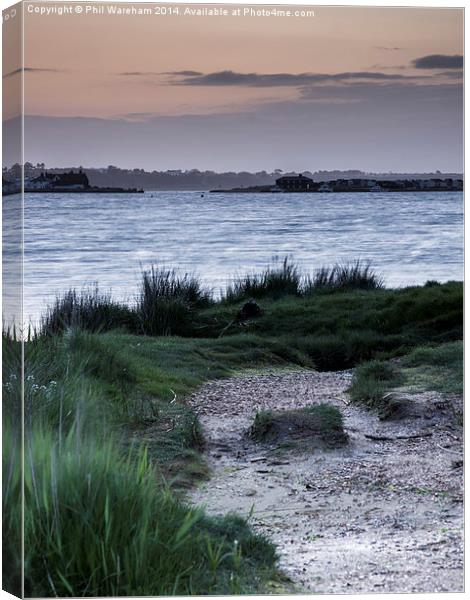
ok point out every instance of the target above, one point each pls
(74, 240)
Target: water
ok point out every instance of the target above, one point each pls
(72, 240)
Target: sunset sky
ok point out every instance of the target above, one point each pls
(371, 88)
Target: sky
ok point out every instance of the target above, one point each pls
(377, 89)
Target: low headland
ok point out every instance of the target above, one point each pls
(301, 183)
(114, 446)
(61, 183)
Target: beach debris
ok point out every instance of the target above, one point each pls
(386, 438)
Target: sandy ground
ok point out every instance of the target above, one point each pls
(373, 516)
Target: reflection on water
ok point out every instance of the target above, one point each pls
(74, 240)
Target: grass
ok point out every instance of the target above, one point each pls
(372, 380)
(343, 319)
(357, 275)
(139, 540)
(275, 281)
(285, 279)
(165, 305)
(87, 476)
(318, 424)
(438, 368)
(340, 330)
(88, 309)
(166, 301)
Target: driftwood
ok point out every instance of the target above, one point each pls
(385, 438)
(450, 451)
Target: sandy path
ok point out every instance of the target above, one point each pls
(375, 516)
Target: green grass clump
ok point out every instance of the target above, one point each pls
(357, 275)
(96, 525)
(12, 463)
(275, 281)
(89, 310)
(318, 423)
(438, 368)
(166, 302)
(335, 330)
(371, 381)
(286, 279)
(164, 366)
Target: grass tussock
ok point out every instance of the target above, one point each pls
(315, 425)
(166, 302)
(357, 275)
(286, 279)
(89, 310)
(307, 316)
(371, 381)
(277, 280)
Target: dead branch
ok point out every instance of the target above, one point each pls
(386, 438)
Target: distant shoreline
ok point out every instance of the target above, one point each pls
(362, 191)
(301, 184)
(87, 191)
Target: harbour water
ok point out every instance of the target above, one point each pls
(74, 240)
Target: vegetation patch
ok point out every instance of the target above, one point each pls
(357, 275)
(340, 330)
(371, 381)
(392, 388)
(337, 318)
(85, 475)
(166, 302)
(315, 426)
(275, 281)
(438, 368)
(88, 309)
(140, 539)
(109, 432)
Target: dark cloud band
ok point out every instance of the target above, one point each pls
(30, 70)
(227, 78)
(438, 61)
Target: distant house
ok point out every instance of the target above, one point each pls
(64, 181)
(10, 187)
(296, 183)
